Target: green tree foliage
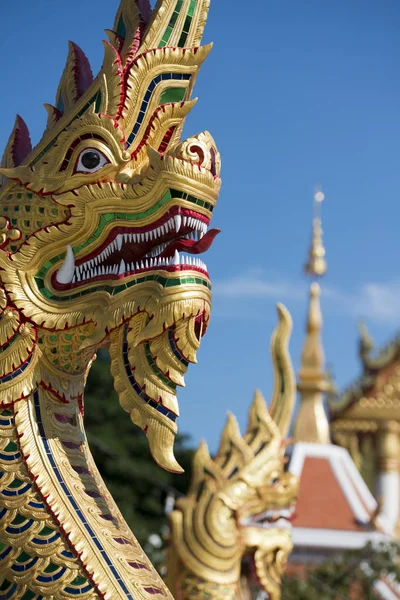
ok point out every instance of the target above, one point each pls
(120, 449)
(351, 574)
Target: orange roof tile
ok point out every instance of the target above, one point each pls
(321, 501)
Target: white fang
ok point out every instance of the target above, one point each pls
(66, 272)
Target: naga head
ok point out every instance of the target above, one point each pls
(103, 222)
(240, 502)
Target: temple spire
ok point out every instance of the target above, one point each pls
(311, 423)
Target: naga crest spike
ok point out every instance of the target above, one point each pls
(76, 79)
(18, 146)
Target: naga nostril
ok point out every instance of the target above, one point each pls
(125, 176)
(197, 150)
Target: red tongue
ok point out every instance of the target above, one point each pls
(191, 246)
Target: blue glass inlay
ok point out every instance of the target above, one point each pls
(53, 577)
(175, 349)
(8, 594)
(14, 374)
(5, 552)
(147, 96)
(18, 492)
(10, 457)
(16, 529)
(158, 407)
(38, 505)
(77, 591)
(44, 542)
(78, 511)
(17, 568)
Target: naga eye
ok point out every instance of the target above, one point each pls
(90, 161)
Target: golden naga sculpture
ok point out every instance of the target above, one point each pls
(241, 501)
(94, 222)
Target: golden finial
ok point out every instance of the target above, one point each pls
(311, 374)
(316, 263)
(311, 424)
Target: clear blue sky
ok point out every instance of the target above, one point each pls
(294, 93)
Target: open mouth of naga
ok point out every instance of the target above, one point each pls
(171, 243)
(271, 519)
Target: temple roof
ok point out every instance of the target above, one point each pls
(335, 509)
(375, 394)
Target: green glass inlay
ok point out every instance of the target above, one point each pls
(163, 281)
(121, 29)
(11, 447)
(46, 531)
(23, 557)
(170, 27)
(173, 94)
(103, 220)
(18, 520)
(4, 585)
(156, 370)
(97, 105)
(51, 568)
(60, 104)
(187, 24)
(78, 581)
(2, 546)
(6, 413)
(106, 218)
(28, 595)
(17, 483)
(173, 282)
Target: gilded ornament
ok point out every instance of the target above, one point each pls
(101, 228)
(239, 502)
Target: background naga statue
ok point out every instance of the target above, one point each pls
(240, 502)
(101, 227)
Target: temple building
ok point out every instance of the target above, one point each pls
(365, 419)
(336, 509)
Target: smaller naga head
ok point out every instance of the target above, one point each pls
(102, 224)
(240, 502)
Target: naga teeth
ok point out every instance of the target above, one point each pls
(176, 259)
(66, 272)
(94, 267)
(178, 222)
